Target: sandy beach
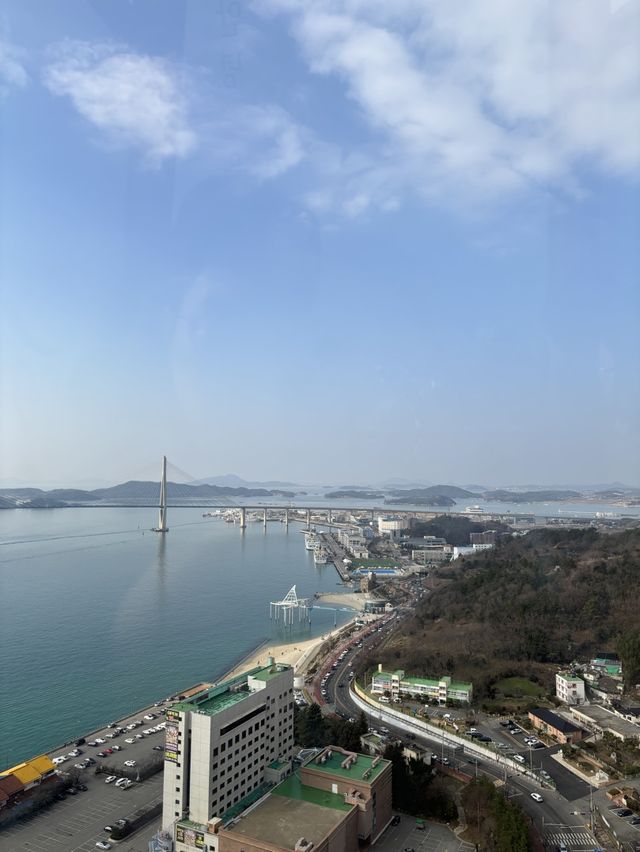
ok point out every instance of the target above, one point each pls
(354, 600)
(295, 653)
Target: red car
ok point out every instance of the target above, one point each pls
(108, 751)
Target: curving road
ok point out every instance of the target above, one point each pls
(555, 817)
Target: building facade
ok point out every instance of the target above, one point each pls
(555, 726)
(337, 802)
(442, 690)
(222, 744)
(570, 688)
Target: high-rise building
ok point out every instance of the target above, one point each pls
(224, 743)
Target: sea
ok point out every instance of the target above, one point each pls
(100, 616)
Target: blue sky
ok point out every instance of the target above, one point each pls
(320, 241)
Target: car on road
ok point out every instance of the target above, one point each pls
(623, 812)
(519, 758)
(110, 779)
(108, 751)
(473, 730)
(58, 760)
(130, 740)
(635, 820)
(121, 781)
(100, 741)
(537, 797)
(102, 754)
(158, 748)
(80, 741)
(102, 844)
(116, 748)
(129, 763)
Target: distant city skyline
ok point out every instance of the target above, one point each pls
(320, 242)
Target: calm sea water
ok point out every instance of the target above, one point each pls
(99, 616)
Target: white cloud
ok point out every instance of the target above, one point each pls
(12, 72)
(137, 100)
(478, 97)
(263, 140)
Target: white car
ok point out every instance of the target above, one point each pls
(102, 844)
(58, 760)
(129, 763)
(109, 779)
(126, 784)
(537, 797)
(100, 741)
(150, 716)
(130, 740)
(121, 781)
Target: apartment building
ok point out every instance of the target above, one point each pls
(570, 688)
(223, 744)
(442, 689)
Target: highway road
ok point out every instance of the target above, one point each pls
(554, 817)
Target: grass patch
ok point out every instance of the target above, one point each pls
(519, 687)
(373, 563)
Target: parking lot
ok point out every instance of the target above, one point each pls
(434, 838)
(77, 822)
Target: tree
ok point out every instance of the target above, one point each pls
(629, 652)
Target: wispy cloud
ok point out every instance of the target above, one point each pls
(478, 97)
(263, 140)
(12, 71)
(166, 111)
(137, 100)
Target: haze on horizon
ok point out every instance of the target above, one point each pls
(321, 242)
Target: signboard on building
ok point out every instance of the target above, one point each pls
(171, 743)
(190, 836)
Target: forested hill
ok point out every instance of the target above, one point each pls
(548, 597)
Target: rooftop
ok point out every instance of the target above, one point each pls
(292, 811)
(554, 720)
(223, 695)
(570, 677)
(364, 762)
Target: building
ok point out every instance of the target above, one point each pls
(486, 537)
(432, 554)
(397, 684)
(393, 527)
(20, 782)
(607, 664)
(369, 582)
(555, 726)
(335, 803)
(223, 744)
(570, 688)
(603, 721)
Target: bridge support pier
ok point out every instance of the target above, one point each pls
(264, 518)
(243, 518)
(330, 516)
(286, 517)
(308, 519)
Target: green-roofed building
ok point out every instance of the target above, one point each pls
(225, 744)
(397, 685)
(339, 800)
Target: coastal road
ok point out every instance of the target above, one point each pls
(554, 817)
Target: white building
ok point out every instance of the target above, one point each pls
(393, 527)
(222, 744)
(570, 688)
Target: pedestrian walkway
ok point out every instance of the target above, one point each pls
(574, 840)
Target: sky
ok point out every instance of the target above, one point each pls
(320, 240)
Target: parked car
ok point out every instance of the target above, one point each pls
(110, 779)
(129, 763)
(537, 797)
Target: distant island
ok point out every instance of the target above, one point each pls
(433, 491)
(439, 500)
(530, 496)
(355, 492)
(132, 493)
